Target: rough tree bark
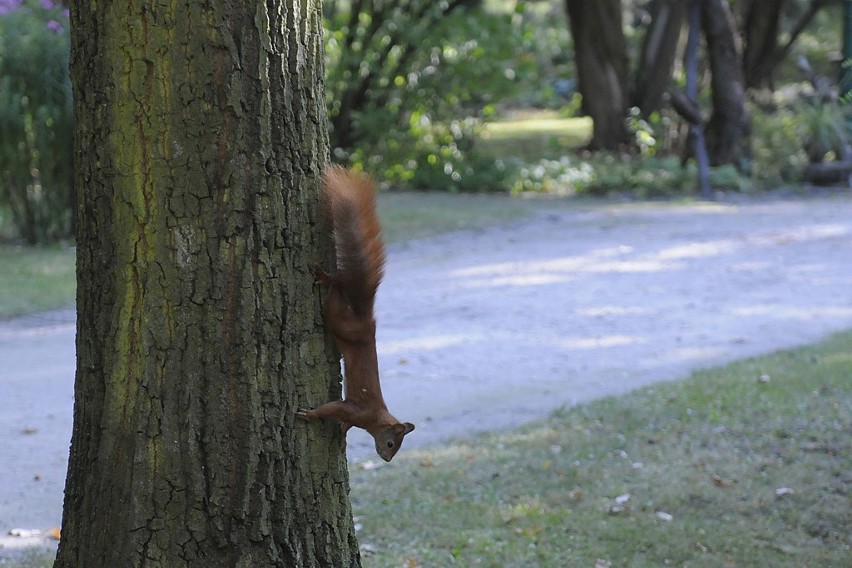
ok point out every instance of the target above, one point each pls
(600, 53)
(729, 127)
(199, 143)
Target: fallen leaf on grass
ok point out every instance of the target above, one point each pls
(621, 507)
(719, 481)
(664, 516)
(782, 491)
(528, 531)
(822, 449)
(701, 548)
(599, 563)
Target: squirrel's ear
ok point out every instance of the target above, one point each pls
(409, 427)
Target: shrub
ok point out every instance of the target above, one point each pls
(424, 76)
(778, 149)
(607, 174)
(35, 119)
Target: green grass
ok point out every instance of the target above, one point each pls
(411, 215)
(535, 136)
(712, 451)
(34, 279)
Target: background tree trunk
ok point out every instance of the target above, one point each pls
(729, 128)
(761, 31)
(659, 51)
(200, 139)
(761, 26)
(600, 53)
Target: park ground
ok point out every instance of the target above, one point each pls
(492, 327)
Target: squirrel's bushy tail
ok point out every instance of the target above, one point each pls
(350, 202)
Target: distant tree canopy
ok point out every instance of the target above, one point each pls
(398, 66)
(411, 84)
(408, 81)
(745, 42)
(769, 30)
(374, 46)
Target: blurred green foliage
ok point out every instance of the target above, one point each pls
(410, 85)
(36, 120)
(459, 95)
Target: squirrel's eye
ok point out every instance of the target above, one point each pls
(390, 443)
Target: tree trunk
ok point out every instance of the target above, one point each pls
(761, 26)
(761, 33)
(600, 53)
(200, 138)
(696, 128)
(728, 129)
(659, 51)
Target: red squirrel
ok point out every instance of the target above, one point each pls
(350, 204)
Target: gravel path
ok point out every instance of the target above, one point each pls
(487, 330)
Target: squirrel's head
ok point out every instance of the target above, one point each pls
(389, 439)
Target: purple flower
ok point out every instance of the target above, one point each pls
(7, 6)
(47, 4)
(54, 26)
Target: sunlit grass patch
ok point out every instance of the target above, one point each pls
(33, 279)
(535, 137)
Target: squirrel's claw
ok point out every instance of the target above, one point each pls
(303, 413)
(320, 275)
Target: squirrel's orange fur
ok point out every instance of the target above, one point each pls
(350, 203)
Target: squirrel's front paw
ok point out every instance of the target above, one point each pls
(320, 275)
(303, 413)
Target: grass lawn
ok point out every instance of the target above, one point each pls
(411, 215)
(748, 465)
(535, 136)
(33, 279)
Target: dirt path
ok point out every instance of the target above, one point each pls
(486, 330)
